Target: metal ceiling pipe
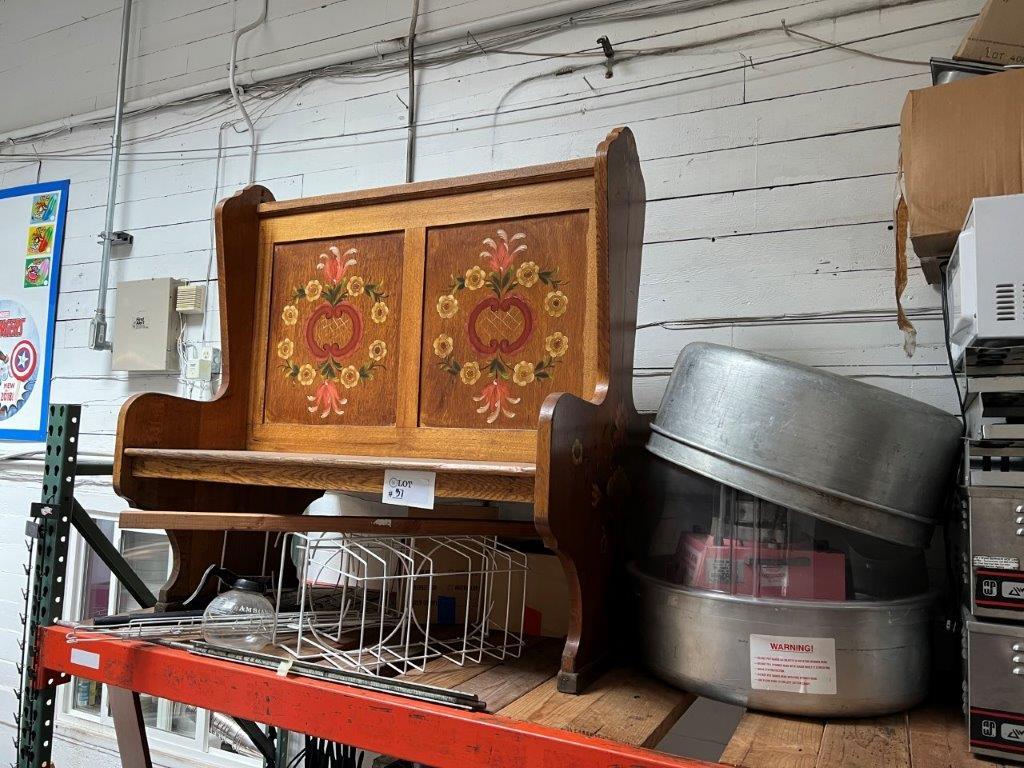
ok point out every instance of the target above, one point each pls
(98, 326)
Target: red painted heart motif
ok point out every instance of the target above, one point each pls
(331, 348)
(496, 305)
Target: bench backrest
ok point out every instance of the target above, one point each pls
(431, 319)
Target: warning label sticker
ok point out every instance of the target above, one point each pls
(1001, 563)
(793, 664)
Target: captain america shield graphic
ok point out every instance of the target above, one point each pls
(19, 357)
(23, 360)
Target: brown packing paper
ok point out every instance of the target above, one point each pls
(909, 331)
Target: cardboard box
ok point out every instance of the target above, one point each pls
(959, 141)
(997, 36)
(547, 598)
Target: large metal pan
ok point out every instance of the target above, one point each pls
(876, 654)
(841, 450)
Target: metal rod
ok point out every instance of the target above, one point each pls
(98, 326)
(111, 557)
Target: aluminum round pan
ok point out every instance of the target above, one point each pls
(700, 641)
(848, 452)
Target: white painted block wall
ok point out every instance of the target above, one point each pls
(769, 161)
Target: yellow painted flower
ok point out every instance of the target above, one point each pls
(313, 290)
(379, 312)
(290, 314)
(349, 376)
(475, 278)
(522, 374)
(285, 348)
(555, 303)
(556, 344)
(355, 286)
(470, 373)
(527, 273)
(306, 375)
(443, 345)
(378, 350)
(447, 306)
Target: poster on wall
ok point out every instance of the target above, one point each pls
(31, 235)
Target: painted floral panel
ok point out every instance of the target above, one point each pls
(502, 320)
(333, 341)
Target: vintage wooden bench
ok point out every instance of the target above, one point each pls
(480, 328)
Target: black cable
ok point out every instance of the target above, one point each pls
(952, 572)
(949, 350)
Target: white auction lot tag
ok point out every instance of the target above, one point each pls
(408, 488)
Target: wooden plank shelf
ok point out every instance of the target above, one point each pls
(400, 526)
(921, 738)
(485, 480)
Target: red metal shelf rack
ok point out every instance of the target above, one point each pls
(400, 727)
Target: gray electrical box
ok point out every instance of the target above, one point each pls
(146, 325)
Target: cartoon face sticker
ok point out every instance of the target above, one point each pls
(37, 272)
(44, 207)
(40, 239)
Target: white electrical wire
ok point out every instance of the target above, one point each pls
(444, 56)
(236, 92)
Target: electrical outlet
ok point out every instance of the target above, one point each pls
(211, 355)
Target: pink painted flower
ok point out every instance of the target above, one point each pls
(327, 399)
(501, 252)
(495, 399)
(335, 264)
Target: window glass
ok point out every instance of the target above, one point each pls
(149, 555)
(95, 602)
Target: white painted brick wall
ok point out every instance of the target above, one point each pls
(770, 185)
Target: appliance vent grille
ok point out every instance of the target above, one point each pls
(1006, 302)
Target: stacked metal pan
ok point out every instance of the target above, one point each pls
(784, 566)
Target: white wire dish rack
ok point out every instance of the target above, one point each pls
(377, 605)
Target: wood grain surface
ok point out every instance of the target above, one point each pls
(927, 737)
(624, 705)
(392, 526)
(333, 344)
(586, 445)
(503, 320)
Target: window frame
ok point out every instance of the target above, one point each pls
(173, 748)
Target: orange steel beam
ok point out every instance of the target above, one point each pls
(391, 725)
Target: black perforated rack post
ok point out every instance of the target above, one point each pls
(48, 529)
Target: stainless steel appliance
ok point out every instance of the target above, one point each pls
(995, 693)
(996, 531)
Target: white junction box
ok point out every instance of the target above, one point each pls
(146, 325)
(985, 286)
